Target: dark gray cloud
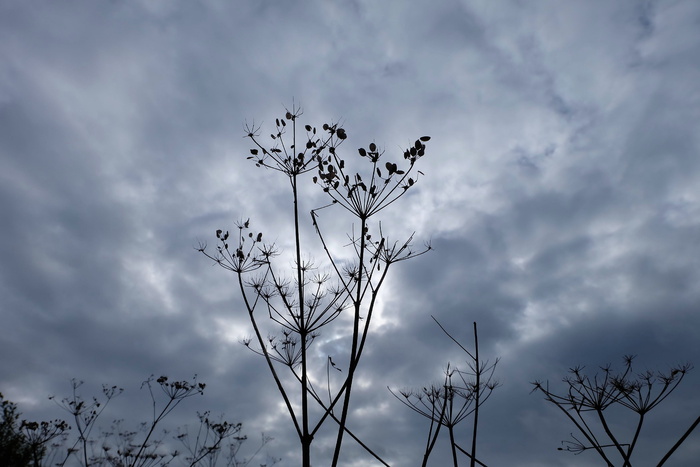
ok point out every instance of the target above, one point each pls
(560, 195)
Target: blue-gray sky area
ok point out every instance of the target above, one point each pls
(561, 195)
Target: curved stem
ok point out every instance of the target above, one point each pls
(268, 358)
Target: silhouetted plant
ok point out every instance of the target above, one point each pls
(121, 446)
(84, 415)
(38, 435)
(460, 395)
(588, 398)
(307, 303)
(234, 458)
(214, 438)
(208, 440)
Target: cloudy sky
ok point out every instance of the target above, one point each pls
(560, 195)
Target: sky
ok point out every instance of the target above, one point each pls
(560, 196)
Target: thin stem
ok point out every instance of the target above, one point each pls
(478, 391)
(679, 442)
(589, 435)
(636, 435)
(469, 455)
(306, 439)
(266, 355)
(450, 429)
(612, 437)
(432, 437)
(353, 351)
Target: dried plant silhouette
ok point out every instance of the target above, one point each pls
(84, 414)
(460, 395)
(588, 400)
(44, 443)
(214, 440)
(310, 301)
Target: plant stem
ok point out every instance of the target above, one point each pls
(306, 439)
(477, 371)
(353, 352)
(679, 442)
